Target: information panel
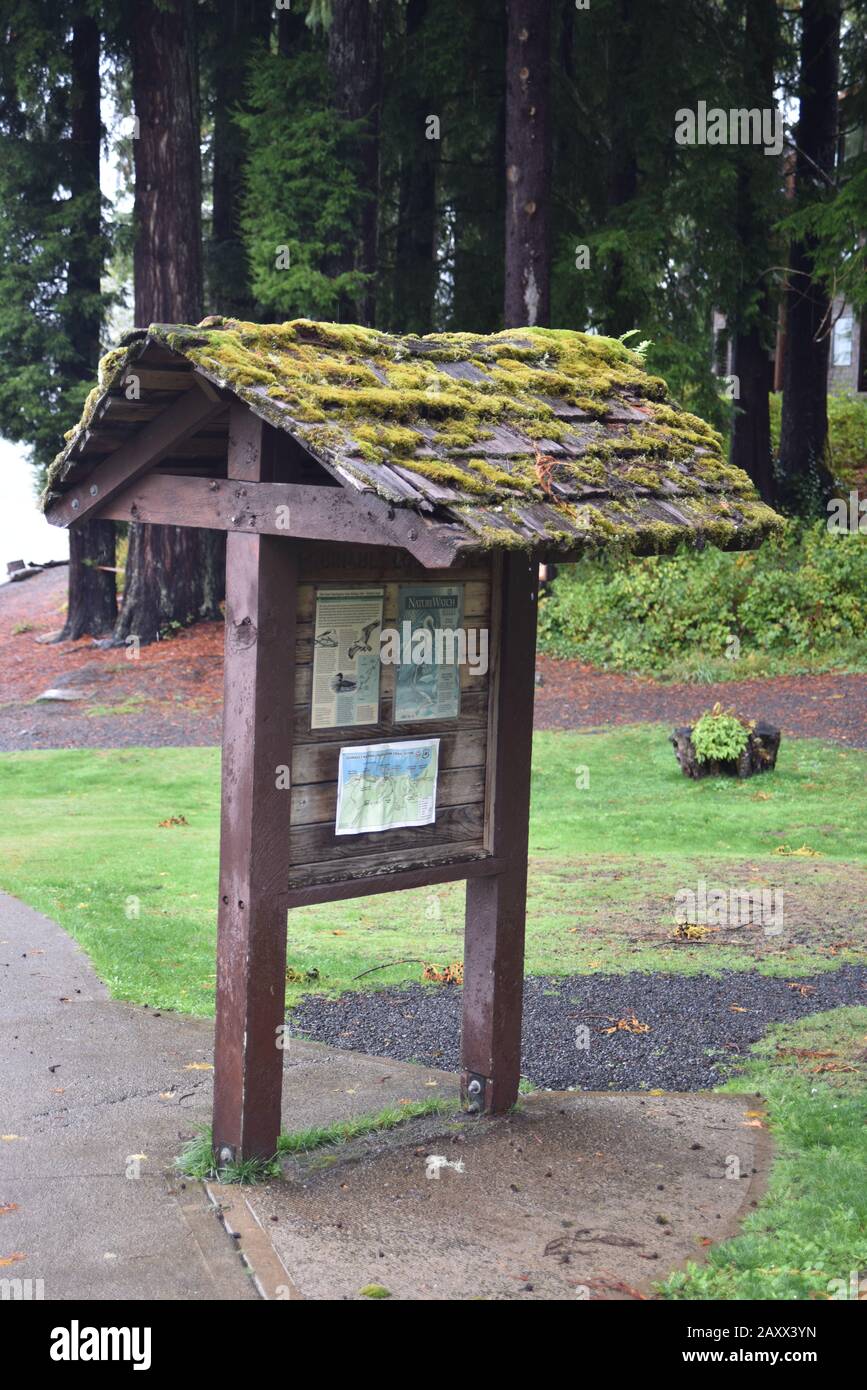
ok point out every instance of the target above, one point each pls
(346, 662)
(428, 679)
(387, 785)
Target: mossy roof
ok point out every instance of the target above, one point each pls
(536, 437)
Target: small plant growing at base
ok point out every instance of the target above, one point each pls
(720, 736)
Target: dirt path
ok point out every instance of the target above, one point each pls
(573, 696)
(172, 694)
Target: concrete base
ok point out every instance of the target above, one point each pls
(573, 1196)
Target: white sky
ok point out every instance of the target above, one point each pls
(24, 532)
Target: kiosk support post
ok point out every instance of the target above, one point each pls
(261, 585)
(496, 905)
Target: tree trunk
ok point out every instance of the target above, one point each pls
(528, 163)
(241, 25)
(805, 477)
(753, 321)
(619, 310)
(167, 214)
(291, 31)
(355, 65)
(172, 573)
(751, 429)
(415, 242)
(92, 595)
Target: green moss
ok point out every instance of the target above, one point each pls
(450, 475)
(351, 392)
(387, 440)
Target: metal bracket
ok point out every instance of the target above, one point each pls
(476, 1091)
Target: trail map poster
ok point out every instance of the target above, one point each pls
(346, 657)
(387, 785)
(428, 679)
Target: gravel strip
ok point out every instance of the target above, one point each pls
(699, 1025)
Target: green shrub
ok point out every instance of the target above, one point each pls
(847, 431)
(798, 603)
(719, 736)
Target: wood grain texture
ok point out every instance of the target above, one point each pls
(261, 578)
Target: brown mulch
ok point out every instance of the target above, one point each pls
(572, 696)
(172, 695)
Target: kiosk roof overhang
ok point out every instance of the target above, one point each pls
(545, 439)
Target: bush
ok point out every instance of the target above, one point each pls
(719, 736)
(797, 603)
(847, 432)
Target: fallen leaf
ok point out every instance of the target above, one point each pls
(13, 1259)
(10, 1206)
(627, 1025)
(198, 1066)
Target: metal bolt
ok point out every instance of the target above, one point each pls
(75, 504)
(226, 1154)
(93, 489)
(474, 1088)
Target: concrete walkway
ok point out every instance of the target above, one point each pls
(94, 1092)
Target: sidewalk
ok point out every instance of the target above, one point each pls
(93, 1090)
(575, 1194)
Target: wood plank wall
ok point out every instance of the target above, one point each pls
(317, 855)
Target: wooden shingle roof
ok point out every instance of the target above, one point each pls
(543, 438)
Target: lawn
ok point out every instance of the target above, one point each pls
(808, 1236)
(121, 847)
(93, 839)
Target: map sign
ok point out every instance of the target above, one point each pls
(346, 657)
(387, 785)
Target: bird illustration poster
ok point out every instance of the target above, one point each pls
(428, 680)
(346, 657)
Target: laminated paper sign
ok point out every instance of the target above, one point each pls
(428, 680)
(387, 785)
(346, 657)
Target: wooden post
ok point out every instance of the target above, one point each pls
(261, 586)
(496, 905)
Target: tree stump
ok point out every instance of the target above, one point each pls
(760, 755)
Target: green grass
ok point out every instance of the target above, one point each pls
(810, 1229)
(196, 1159)
(80, 839)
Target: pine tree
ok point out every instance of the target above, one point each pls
(752, 320)
(528, 163)
(52, 247)
(172, 573)
(805, 478)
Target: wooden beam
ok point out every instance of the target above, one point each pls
(292, 510)
(496, 905)
(285, 509)
(393, 882)
(259, 677)
(152, 443)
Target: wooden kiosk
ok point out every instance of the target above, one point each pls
(358, 474)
